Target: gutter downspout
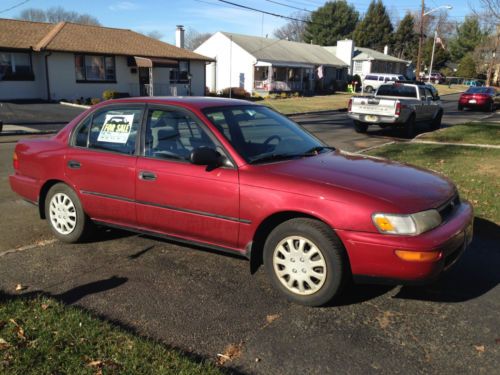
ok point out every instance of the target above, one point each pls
(47, 80)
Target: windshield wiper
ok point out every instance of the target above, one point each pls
(274, 157)
(316, 150)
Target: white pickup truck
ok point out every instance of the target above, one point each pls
(397, 104)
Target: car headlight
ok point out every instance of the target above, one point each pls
(413, 224)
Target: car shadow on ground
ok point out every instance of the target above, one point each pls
(476, 273)
(72, 295)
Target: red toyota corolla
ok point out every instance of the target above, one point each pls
(485, 98)
(241, 178)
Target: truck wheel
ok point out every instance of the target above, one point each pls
(409, 127)
(65, 214)
(369, 89)
(360, 127)
(306, 261)
(460, 107)
(436, 123)
(491, 107)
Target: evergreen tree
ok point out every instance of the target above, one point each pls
(467, 67)
(441, 56)
(405, 40)
(375, 29)
(333, 21)
(469, 35)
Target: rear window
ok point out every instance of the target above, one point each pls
(478, 90)
(396, 90)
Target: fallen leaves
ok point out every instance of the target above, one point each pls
(231, 352)
(20, 287)
(18, 329)
(385, 319)
(271, 318)
(479, 348)
(4, 344)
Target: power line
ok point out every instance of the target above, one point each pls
(14, 6)
(289, 6)
(264, 12)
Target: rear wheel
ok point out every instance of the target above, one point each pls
(460, 107)
(491, 107)
(65, 214)
(409, 127)
(306, 261)
(436, 123)
(369, 89)
(360, 127)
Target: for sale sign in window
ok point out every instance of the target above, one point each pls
(116, 129)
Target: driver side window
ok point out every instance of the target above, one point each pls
(173, 135)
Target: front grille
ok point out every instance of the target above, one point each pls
(447, 209)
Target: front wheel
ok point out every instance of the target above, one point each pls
(306, 261)
(409, 127)
(491, 107)
(360, 127)
(65, 214)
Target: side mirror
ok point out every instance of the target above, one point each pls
(205, 156)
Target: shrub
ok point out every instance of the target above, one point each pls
(108, 94)
(94, 101)
(236, 92)
(283, 95)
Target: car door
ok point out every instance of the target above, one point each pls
(432, 104)
(176, 197)
(101, 162)
(421, 107)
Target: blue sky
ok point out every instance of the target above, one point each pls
(208, 15)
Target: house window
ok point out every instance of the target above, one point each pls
(16, 66)
(180, 74)
(95, 68)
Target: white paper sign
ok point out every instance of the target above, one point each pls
(116, 129)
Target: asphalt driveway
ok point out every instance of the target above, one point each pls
(201, 302)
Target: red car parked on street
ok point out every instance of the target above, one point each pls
(239, 177)
(486, 98)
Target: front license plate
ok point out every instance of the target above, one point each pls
(472, 101)
(371, 118)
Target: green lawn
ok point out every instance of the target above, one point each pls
(453, 89)
(474, 132)
(308, 104)
(474, 170)
(39, 335)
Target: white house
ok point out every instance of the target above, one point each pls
(363, 61)
(269, 65)
(66, 60)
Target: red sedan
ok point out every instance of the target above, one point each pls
(485, 98)
(240, 178)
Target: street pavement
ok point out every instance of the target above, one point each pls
(200, 301)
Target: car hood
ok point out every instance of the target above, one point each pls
(337, 175)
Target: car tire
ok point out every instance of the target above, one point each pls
(306, 261)
(65, 214)
(491, 107)
(360, 127)
(460, 107)
(369, 89)
(409, 127)
(436, 123)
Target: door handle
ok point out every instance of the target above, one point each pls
(73, 164)
(147, 176)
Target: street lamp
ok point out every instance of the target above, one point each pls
(421, 36)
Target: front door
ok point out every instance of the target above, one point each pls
(144, 81)
(176, 197)
(101, 163)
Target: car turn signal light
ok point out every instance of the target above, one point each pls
(15, 161)
(419, 256)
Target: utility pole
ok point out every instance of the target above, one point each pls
(420, 40)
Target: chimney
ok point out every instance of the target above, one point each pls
(386, 50)
(345, 52)
(179, 36)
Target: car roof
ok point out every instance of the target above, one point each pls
(192, 102)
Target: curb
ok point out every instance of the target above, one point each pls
(75, 105)
(454, 144)
(339, 110)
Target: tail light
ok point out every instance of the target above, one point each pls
(398, 108)
(349, 106)
(15, 161)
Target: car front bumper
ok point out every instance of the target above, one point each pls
(373, 256)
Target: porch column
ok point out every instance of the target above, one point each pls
(301, 79)
(270, 77)
(151, 89)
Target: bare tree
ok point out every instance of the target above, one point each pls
(155, 34)
(193, 39)
(489, 11)
(57, 14)
(293, 30)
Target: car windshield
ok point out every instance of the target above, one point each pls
(261, 135)
(477, 90)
